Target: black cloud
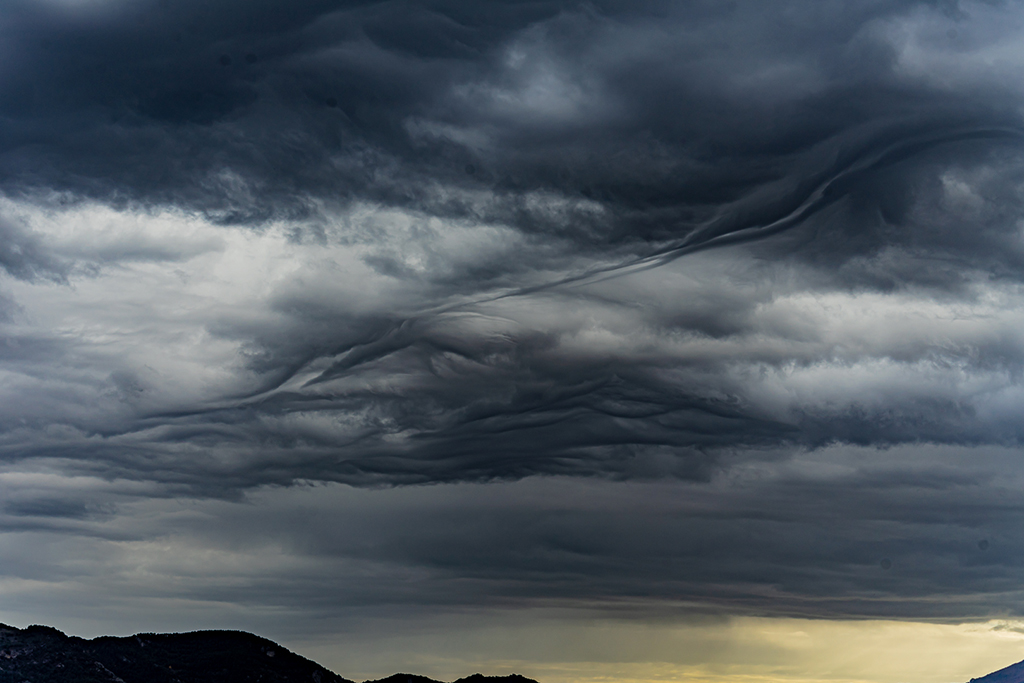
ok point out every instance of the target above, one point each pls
(610, 137)
(632, 241)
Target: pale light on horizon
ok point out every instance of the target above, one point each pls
(745, 649)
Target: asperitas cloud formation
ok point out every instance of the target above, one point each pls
(700, 306)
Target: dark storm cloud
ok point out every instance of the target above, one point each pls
(609, 138)
(743, 279)
(668, 115)
(843, 533)
(155, 102)
(789, 544)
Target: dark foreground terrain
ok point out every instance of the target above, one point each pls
(40, 654)
(1011, 674)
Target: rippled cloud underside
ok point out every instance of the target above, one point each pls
(696, 306)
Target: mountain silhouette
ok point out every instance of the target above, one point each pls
(1011, 674)
(41, 654)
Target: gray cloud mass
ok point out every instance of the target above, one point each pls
(765, 256)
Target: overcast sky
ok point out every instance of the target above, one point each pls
(534, 335)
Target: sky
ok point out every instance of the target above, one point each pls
(596, 341)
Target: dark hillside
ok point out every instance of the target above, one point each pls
(1011, 674)
(39, 654)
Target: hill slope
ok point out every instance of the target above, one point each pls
(40, 654)
(1011, 674)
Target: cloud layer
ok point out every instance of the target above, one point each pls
(669, 245)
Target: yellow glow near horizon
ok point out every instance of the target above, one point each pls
(740, 650)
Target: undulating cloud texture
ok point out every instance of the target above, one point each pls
(679, 307)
